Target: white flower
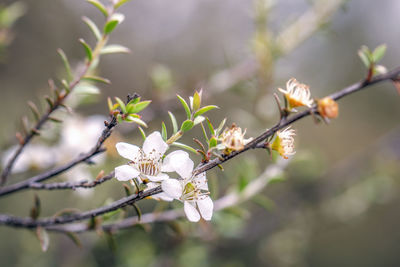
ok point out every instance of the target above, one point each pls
(284, 142)
(233, 138)
(297, 94)
(146, 163)
(192, 191)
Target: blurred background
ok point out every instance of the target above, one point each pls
(337, 204)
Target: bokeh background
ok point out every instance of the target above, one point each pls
(337, 204)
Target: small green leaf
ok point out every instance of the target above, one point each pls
(213, 142)
(365, 55)
(34, 110)
(204, 132)
(198, 120)
(185, 106)
(379, 52)
(55, 120)
(121, 104)
(113, 22)
(92, 26)
(142, 133)
(88, 50)
(187, 125)
(220, 127)
(65, 84)
(112, 49)
(136, 120)
(210, 127)
(43, 237)
(173, 121)
(136, 108)
(87, 89)
(186, 147)
(120, 3)
(75, 238)
(99, 6)
(196, 101)
(204, 110)
(96, 79)
(164, 131)
(49, 101)
(66, 63)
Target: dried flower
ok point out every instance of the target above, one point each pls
(328, 108)
(232, 139)
(284, 142)
(297, 94)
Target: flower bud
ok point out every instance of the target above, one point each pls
(328, 108)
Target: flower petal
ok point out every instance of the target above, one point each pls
(125, 173)
(172, 188)
(158, 178)
(206, 207)
(154, 142)
(126, 150)
(191, 212)
(201, 181)
(162, 196)
(179, 162)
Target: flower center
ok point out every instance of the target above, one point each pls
(148, 164)
(191, 192)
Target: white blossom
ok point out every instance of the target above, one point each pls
(192, 191)
(297, 94)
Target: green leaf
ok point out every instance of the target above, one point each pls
(88, 50)
(99, 6)
(114, 20)
(173, 121)
(210, 127)
(379, 52)
(65, 84)
(34, 110)
(136, 120)
(43, 237)
(112, 49)
(204, 132)
(96, 79)
(213, 142)
(164, 131)
(120, 3)
(198, 120)
(204, 110)
(121, 104)
(66, 63)
(187, 125)
(92, 26)
(142, 133)
(365, 55)
(136, 108)
(87, 89)
(186, 147)
(75, 238)
(220, 127)
(196, 100)
(185, 106)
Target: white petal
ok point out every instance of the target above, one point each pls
(126, 150)
(191, 213)
(125, 173)
(201, 181)
(172, 188)
(163, 196)
(179, 162)
(206, 207)
(154, 142)
(158, 178)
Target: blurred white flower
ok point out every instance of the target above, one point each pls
(192, 191)
(297, 94)
(146, 163)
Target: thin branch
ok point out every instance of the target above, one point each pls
(49, 174)
(73, 186)
(31, 223)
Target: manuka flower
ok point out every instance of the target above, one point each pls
(147, 163)
(297, 94)
(192, 191)
(284, 142)
(232, 139)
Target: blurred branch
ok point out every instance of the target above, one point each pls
(285, 42)
(33, 181)
(284, 121)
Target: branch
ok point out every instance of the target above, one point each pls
(49, 174)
